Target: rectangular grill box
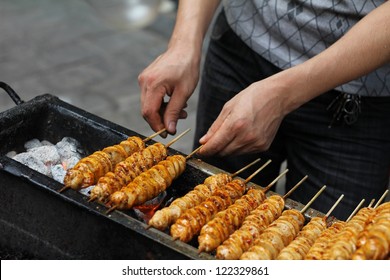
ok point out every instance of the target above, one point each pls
(36, 221)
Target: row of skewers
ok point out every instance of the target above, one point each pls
(228, 217)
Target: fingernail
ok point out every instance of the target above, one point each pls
(172, 127)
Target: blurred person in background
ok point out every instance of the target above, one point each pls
(306, 82)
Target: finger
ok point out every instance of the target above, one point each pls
(152, 109)
(214, 127)
(218, 139)
(174, 111)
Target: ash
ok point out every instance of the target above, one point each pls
(52, 160)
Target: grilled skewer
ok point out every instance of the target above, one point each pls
(374, 242)
(226, 222)
(325, 239)
(299, 247)
(278, 234)
(192, 220)
(344, 242)
(163, 218)
(128, 169)
(150, 183)
(254, 224)
(89, 169)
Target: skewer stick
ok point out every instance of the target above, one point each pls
(312, 200)
(371, 203)
(356, 209)
(177, 138)
(381, 199)
(64, 188)
(244, 168)
(194, 152)
(154, 135)
(274, 181)
(257, 171)
(334, 206)
(111, 209)
(295, 187)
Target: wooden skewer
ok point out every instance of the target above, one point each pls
(295, 187)
(371, 203)
(356, 209)
(257, 171)
(154, 135)
(312, 200)
(381, 199)
(194, 152)
(274, 181)
(334, 206)
(244, 168)
(177, 138)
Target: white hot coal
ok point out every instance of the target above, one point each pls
(50, 159)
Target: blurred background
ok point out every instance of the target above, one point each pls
(88, 53)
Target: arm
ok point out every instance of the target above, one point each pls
(176, 72)
(243, 129)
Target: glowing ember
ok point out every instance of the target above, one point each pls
(147, 210)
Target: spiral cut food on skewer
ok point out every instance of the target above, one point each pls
(344, 242)
(254, 224)
(260, 218)
(126, 171)
(276, 236)
(89, 169)
(163, 218)
(279, 234)
(149, 183)
(299, 247)
(226, 222)
(374, 241)
(192, 220)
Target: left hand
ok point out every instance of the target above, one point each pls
(248, 122)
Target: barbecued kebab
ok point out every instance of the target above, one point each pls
(227, 221)
(192, 220)
(278, 234)
(343, 244)
(163, 218)
(299, 247)
(374, 241)
(253, 225)
(149, 183)
(126, 170)
(324, 240)
(90, 168)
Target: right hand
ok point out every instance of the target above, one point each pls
(174, 74)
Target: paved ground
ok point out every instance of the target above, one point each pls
(65, 48)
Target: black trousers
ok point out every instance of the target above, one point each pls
(353, 160)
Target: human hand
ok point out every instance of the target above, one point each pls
(173, 74)
(247, 123)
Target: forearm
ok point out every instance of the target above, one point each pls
(363, 49)
(192, 21)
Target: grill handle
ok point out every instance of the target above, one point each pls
(14, 96)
